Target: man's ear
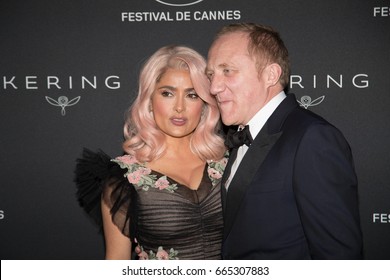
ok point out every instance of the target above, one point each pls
(274, 71)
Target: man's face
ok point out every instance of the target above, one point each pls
(235, 81)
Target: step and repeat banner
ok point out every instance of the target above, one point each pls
(69, 69)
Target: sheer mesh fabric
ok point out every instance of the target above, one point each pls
(187, 221)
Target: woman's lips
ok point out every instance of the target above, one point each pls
(178, 121)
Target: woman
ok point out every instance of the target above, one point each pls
(162, 198)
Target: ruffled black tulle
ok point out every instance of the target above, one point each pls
(97, 177)
(92, 171)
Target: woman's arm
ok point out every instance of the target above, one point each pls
(118, 246)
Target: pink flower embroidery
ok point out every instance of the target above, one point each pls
(215, 169)
(127, 159)
(141, 176)
(213, 173)
(134, 177)
(162, 254)
(143, 255)
(162, 183)
(144, 170)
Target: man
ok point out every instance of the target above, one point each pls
(291, 193)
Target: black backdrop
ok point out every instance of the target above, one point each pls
(68, 72)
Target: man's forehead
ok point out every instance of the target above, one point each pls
(229, 43)
(234, 38)
(224, 56)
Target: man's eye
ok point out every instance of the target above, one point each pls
(226, 71)
(210, 76)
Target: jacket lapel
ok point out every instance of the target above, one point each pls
(226, 174)
(245, 173)
(252, 161)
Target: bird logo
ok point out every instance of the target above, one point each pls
(63, 102)
(306, 101)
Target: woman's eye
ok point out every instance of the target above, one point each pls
(193, 95)
(166, 93)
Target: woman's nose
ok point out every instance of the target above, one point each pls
(179, 105)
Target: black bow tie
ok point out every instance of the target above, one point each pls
(237, 138)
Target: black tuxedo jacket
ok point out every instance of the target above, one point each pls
(294, 195)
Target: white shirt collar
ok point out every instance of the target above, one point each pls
(255, 125)
(261, 117)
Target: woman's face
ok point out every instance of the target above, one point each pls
(177, 108)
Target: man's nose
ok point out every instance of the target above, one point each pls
(216, 85)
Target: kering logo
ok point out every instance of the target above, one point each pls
(329, 81)
(180, 3)
(63, 102)
(306, 101)
(111, 82)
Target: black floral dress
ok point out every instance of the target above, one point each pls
(165, 219)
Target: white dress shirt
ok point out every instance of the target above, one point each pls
(255, 125)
